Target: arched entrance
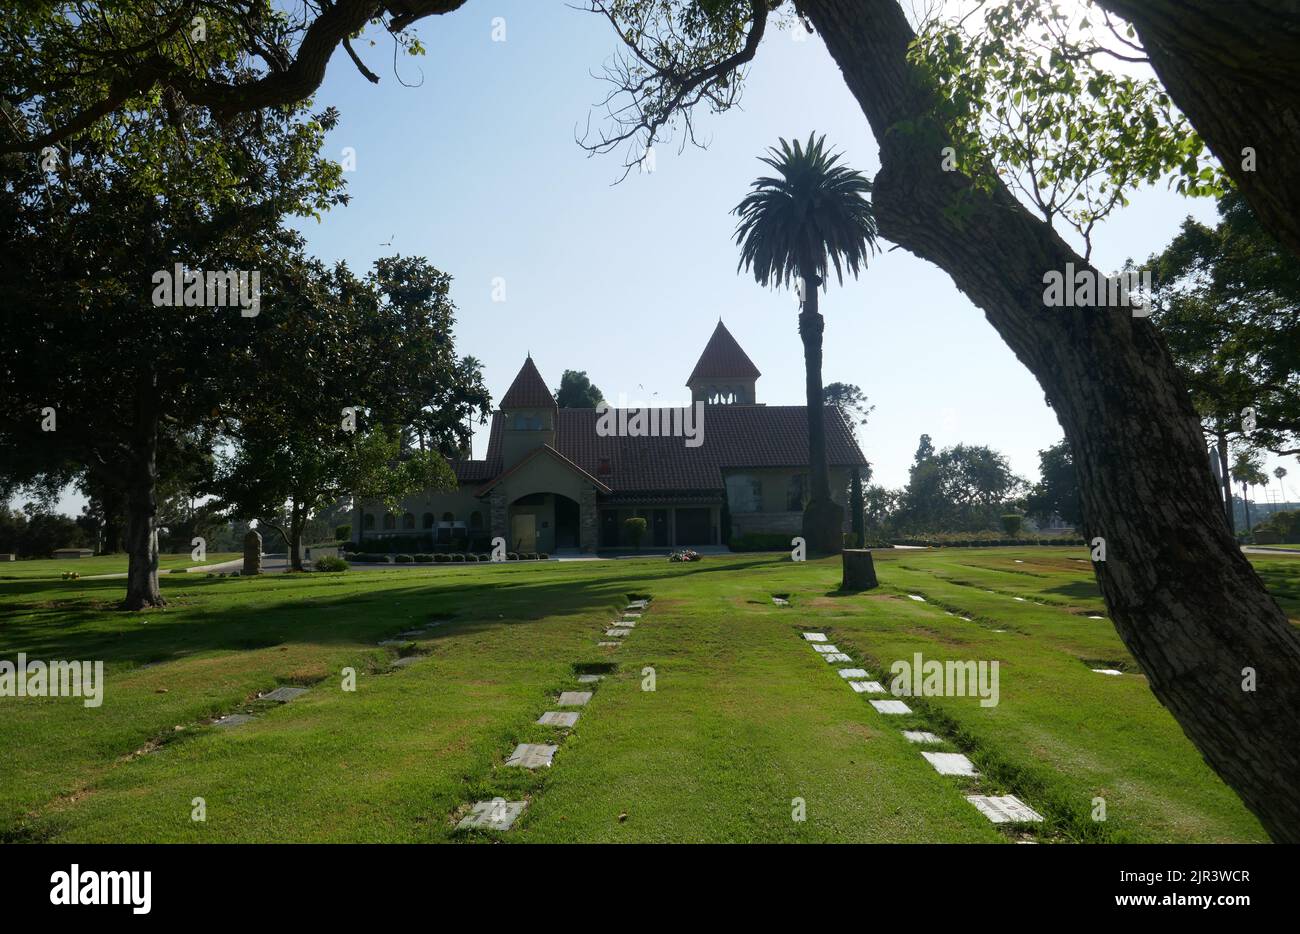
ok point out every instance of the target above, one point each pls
(544, 522)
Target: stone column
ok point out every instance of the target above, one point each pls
(499, 515)
(252, 553)
(588, 520)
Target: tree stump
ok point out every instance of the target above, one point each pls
(252, 553)
(859, 570)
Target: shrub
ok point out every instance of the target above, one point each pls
(1011, 524)
(543, 556)
(343, 533)
(441, 558)
(423, 558)
(457, 556)
(330, 563)
(404, 559)
(512, 556)
(634, 530)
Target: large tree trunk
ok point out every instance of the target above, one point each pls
(822, 518)
(1183, 598)
(1234, 70)
(142, 517)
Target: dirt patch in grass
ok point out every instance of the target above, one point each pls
(938, 635)
(837, 603)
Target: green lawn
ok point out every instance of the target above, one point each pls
(54, 568)
(744, 718)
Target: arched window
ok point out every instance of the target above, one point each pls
(426, 521)
(368, 522)
(448, 517)
(476, 520)
(390, 521)
(408, 521)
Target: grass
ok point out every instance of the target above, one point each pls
(54, 568)
(744, 717)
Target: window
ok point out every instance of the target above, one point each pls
(476, 520)
(426, 521)
(367, 522)
(744, 493)
(528, 423)
(390, 521)
(448, 517)
(408, 521)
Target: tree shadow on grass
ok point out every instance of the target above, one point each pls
(242, 614)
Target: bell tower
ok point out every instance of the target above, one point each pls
(724, 373)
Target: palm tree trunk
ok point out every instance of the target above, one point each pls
(1225, 475)
(1184, 599)
(822, 518)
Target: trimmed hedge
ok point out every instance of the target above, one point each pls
(945, 542)
(331, 563)
(761, 541)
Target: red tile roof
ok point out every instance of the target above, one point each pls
(528, 391)
(723, 358)
(735, 437)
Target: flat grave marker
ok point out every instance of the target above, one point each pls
(950, 763)
(815, 636)
(574, 698)
(848, 673)
(532, 755)
(558, 718)
(497, 814)
(1004, 809)
(283, 695)
(233, 719)
(890, 707)
(867, 687)
(921, 736)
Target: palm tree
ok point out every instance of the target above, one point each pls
(1246, 470)
(815, 216)
(1280, 473)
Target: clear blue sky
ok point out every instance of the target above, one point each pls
(477, 169)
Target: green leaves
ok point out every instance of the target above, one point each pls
(1030, 95)
(815, 216)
